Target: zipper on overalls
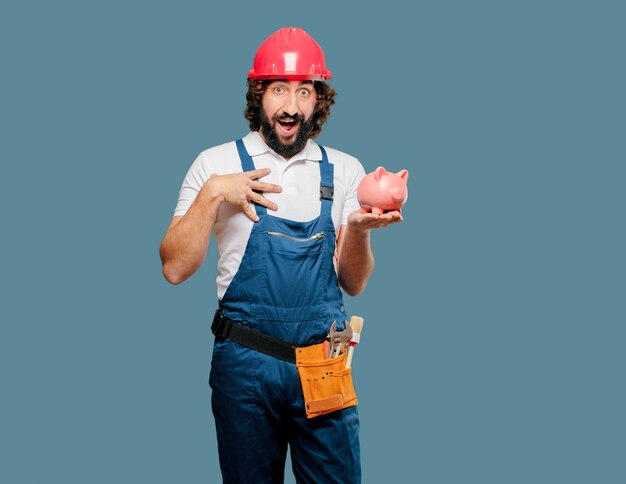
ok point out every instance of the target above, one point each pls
(306, 239)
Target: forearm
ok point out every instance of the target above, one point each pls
(185, 244)
(356, 260)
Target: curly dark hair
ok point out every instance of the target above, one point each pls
(325, 99)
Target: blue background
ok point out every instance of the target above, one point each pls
(493, 345)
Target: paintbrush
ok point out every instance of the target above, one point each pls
(356, 323)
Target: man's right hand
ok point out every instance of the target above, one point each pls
(186, 241)
(241, 189)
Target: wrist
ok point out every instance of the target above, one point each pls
(210, 193)
(358, 230)
(355, 224)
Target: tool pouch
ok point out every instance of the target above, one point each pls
(326, 383)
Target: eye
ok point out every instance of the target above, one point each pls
(279, 90)
(304, 92)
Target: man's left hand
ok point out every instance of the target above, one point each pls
(366, 221)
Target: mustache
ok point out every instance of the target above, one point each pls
(284, 115)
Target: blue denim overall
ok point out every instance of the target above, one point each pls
(286, 287)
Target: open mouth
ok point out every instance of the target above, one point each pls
(288, 126)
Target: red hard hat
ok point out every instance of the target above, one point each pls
(290, 53)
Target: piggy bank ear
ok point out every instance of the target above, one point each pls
(404, 174)
(379, 172)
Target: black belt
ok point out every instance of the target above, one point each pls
(225, 328)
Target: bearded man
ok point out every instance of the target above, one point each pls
(291, 237)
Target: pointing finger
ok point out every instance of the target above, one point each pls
(261, 172)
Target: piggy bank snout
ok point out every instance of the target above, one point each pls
(397, 194)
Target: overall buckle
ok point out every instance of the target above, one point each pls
(326, 193)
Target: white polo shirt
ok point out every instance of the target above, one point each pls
(299, 200)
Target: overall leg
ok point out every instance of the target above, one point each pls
(251, 447)
(325, 448)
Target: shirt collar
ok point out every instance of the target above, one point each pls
(256, 146)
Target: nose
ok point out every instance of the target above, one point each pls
(291, 104)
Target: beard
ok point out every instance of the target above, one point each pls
(271, 137)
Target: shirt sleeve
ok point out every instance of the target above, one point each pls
(355, 175)
(193, 182)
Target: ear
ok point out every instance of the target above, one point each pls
(404, 174)
(379, 172)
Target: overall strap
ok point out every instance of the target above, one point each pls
(326, 184)
(247, 165)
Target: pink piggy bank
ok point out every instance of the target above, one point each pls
(382, 190)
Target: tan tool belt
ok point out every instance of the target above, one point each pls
(326, 383)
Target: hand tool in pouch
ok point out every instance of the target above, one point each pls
(332, 336)
(356, 323)
(338, 339)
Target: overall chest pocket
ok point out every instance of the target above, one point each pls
(295, 268)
